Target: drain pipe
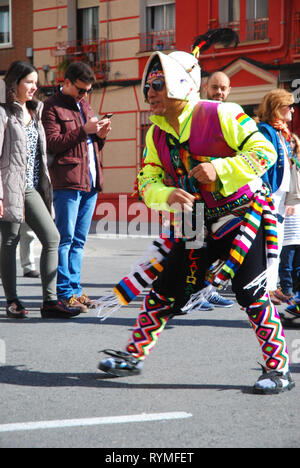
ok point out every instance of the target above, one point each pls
(107, 36)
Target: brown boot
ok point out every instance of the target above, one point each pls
(74, 302)
(85, 300)
(275, 300)
(281, 296)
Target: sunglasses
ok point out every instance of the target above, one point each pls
(82, 91)
(156, 85)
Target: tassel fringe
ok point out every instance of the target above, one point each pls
(197, 299)
(259, 282)
(106, 306)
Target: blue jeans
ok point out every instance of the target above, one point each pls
(289, 268)
(73, 216)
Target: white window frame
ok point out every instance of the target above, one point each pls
(5, 45)
(224, 8)
(157, 3)
(90, 9)
(255, 10)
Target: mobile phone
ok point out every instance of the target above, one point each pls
(107, 116)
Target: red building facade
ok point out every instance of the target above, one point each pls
(268, 54)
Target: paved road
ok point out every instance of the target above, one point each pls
(194, 392)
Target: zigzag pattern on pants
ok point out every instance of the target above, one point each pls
(269, 332)
(151, 321)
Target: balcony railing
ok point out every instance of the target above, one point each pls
(251, 29)
(257, 29)
(157, 40)
(91, 52)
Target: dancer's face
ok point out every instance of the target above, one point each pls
(156, 94)
(160, 103)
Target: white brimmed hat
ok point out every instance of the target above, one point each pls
(182, 74)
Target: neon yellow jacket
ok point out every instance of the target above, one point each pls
(255, 158)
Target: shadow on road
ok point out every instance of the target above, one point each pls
(18, 375)
(192, 321)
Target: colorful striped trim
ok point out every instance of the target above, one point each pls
(145, 271)
(242, 118)
(261, 208)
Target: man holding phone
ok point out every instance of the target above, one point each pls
(75, 137)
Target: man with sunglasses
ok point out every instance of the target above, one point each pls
(210, 151)
(74, 138)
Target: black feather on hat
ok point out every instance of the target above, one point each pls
(224, 36)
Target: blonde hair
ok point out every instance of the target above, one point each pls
(268, 109)
(297, 145)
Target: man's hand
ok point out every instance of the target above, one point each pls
(184, 199)
(205, 173)
(100, 127)
(1, 208)
(104, 128)
(92, 126)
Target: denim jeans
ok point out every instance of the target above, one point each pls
(73, 215)
(289, 268)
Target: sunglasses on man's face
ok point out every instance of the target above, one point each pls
(82, 91)
(156, 85)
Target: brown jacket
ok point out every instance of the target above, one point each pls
(67, 143)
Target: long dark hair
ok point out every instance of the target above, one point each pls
(16, 72)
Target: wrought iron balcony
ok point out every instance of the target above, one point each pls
(91, 52)
(251, 29)
(257, 29)
(157, 40)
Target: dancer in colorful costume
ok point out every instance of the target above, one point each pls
(214, 154)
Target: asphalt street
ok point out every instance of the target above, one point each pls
(194, 391)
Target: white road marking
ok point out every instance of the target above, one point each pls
(57, 424)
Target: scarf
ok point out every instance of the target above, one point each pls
(281, 126)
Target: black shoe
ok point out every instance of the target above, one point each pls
(273, 382)
(31, 274)
(16, 310)
(58, 310)
(120, 364)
